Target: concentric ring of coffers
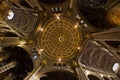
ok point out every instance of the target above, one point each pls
(60, 39)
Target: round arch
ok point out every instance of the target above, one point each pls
(21, 57)
(59, 75)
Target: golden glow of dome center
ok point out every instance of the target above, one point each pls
(60, 39)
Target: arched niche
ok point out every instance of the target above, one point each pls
(93, 77)
(114, 44)
(92, 8)
(59, 75)
(24, 64)
(112, 78)
(105, 78)
(8, 34)
(118, 53)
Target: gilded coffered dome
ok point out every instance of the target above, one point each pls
(60, 39)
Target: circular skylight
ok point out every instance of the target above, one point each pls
(10, 15)
(115, 67)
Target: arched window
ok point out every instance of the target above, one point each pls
(105, 78)
(115, 67)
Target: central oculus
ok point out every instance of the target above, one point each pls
(59, 39)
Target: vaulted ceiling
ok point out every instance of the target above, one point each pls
(59, 40)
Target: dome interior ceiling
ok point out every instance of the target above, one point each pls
(54, 39)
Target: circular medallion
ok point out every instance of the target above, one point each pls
(60, 39)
